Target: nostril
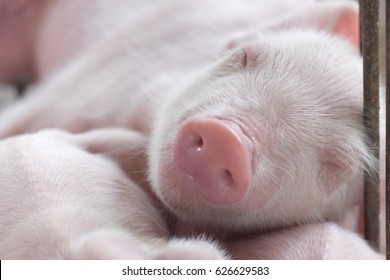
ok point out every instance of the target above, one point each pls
(227, 177)
(213, 157)
(197, 143)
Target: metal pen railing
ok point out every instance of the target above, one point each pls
(369, 36)
(369, 28)
(387, 200)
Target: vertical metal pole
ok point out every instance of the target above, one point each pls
(387, 199)
(369, 19)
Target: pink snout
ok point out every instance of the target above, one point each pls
(215, 157)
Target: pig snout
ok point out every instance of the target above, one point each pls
(215, 157)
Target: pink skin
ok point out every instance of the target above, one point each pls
(200, 153)
(37, 37)
(317, 170)
(105, 37)
(46, 214)
(296, 113)
(18, 27)
(323, 241)
(59, 201)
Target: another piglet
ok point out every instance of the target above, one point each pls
(18, 27)
(323, 241)
(37, 37)
(59, 201)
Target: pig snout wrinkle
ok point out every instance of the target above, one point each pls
(215, 157)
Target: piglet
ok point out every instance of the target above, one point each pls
(39, 36)
(63, 196)
(268, 136)
(321, 241)
(252, 110)
(18, 25)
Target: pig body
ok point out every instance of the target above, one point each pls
(46, 34)
(323, 241)
(287, 100)
(37, 37)
(63, 197)
(184, 41)
(60, 201)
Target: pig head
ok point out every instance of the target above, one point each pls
(270, 135)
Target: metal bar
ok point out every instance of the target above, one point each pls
(369, 18)
(387, 200)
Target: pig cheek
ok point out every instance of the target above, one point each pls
(262, 192)
(172, 187)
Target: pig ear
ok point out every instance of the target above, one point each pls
(337, 18)
(340, 19)
(103, 141)
(126, 147)
(335, 170)
(243, 55)
(339, 165)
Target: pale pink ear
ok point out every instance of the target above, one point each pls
(111, 141)
(243, 54)
(340, 19)
(337, 18)
(347, 25)
(338, 166)
(334, 174)
(127, 148)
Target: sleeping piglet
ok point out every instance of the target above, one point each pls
(318, 241)
(252, 111)
(63, 196)
(267, 137)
